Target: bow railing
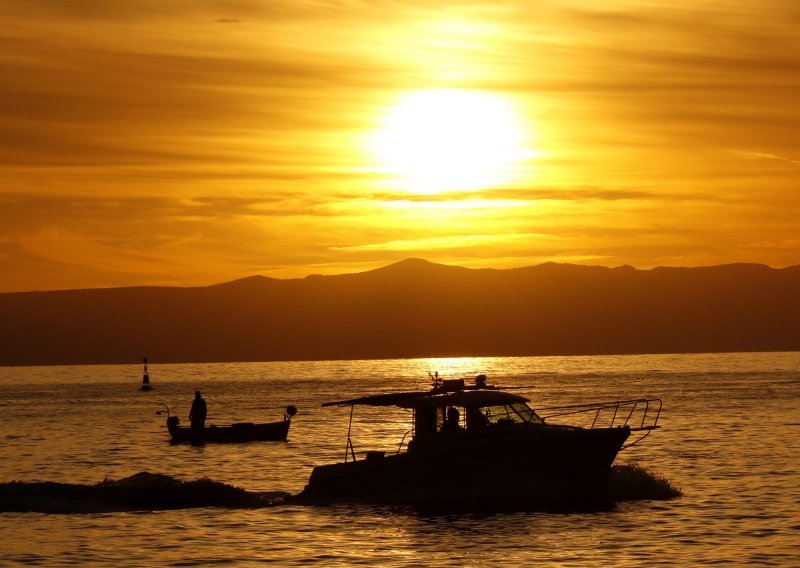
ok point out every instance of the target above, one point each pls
(639, 414)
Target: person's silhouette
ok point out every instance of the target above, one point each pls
(197, 416)
(476, 419)
(451, 420)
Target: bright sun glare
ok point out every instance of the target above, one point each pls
(446, 140)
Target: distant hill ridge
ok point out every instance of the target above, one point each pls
(413, 308)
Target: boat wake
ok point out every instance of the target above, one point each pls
(632, 482)
(143, 491)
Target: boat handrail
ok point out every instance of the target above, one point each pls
(352, 451)
(160, 412)
(640, 414)
(402, 441)
(349, 444)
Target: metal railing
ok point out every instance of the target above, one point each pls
(351, 451)
(639, 414)
(403, 441)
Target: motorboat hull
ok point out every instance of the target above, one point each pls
(518, 462)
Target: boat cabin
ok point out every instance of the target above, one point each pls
(466, 410)
(448, 408)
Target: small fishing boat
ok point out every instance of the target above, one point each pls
(230, 433)
(480, 444)
(146, 386)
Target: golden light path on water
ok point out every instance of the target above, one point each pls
(80, 424)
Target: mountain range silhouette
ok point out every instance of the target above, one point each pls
(413, 308)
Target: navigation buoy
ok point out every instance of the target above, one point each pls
(146, 386)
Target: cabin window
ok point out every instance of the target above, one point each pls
(513, 412)
(525, 413)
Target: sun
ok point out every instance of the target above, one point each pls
(448, 140)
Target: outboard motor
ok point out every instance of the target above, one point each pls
(291, 411)
(173, 421)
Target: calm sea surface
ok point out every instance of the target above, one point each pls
(730, 440)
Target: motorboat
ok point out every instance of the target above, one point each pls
(480, 443)
(238, 432)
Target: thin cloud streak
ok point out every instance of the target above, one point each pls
(191, 142)
(763, 156)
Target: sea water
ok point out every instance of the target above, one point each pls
(730, 439)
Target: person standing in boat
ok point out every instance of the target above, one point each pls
(197, 416)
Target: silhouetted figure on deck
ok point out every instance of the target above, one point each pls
(476, 419)
(197, 415)
(450, 423)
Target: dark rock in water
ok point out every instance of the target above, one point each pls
(143, 491)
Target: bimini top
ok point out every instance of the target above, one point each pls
(428, 399)
(463, 398)
(388, 399)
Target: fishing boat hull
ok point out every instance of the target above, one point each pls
(521, 462)
(232, 433)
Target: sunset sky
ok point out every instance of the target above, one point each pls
(190, 142)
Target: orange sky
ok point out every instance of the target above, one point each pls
(189, 142)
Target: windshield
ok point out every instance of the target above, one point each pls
(518, 412)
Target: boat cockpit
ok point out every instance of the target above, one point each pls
(452, 409)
